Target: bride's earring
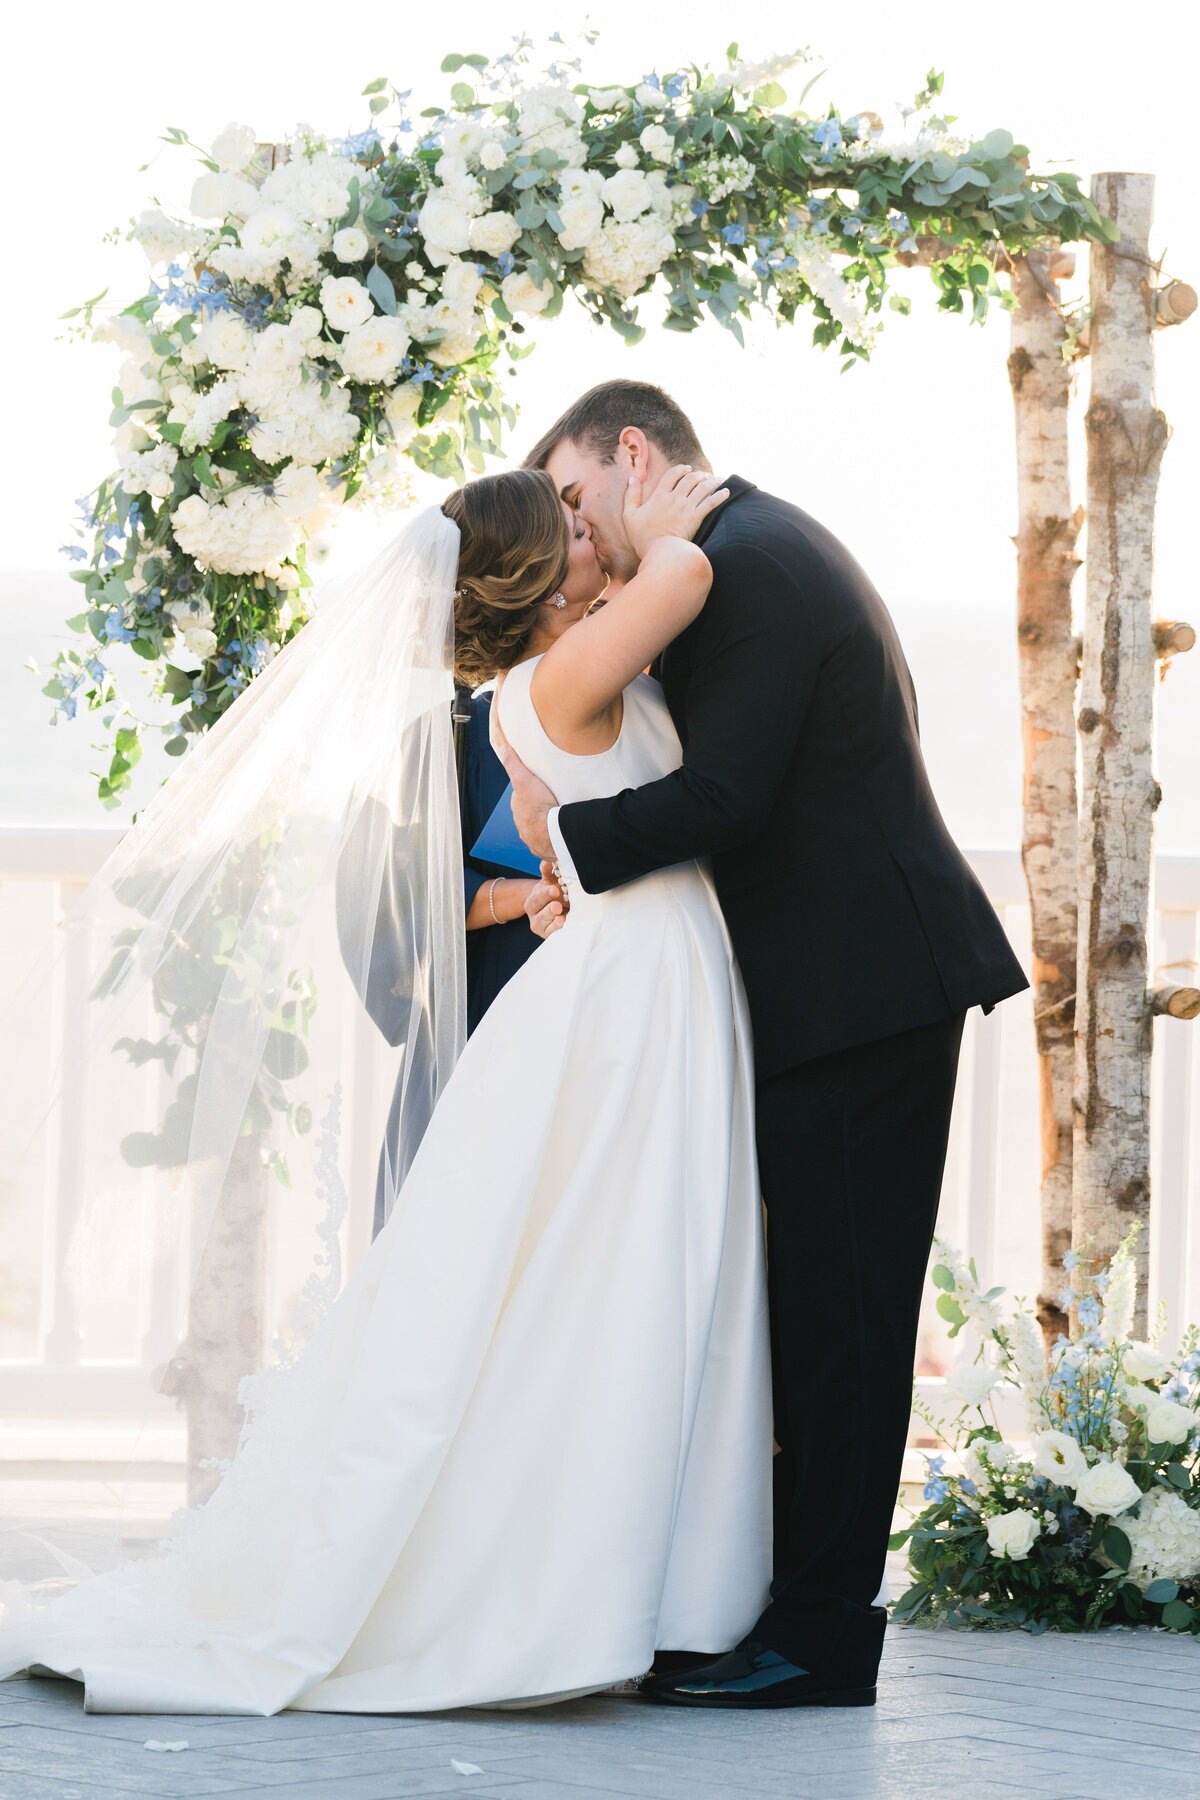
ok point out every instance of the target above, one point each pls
(559, 601)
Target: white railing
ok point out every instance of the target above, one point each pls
(990, 1193)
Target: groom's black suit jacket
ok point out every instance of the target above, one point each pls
(853, 914)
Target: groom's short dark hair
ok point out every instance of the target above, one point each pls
(596, 420)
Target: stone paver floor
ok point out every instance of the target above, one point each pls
(1109, 1717)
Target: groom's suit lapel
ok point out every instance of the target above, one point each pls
(673, 666)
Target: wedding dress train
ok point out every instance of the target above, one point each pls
(531, 1441)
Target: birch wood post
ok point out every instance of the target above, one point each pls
(1126, 436)
(1048, 666)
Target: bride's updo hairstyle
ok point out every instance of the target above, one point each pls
(515, 551)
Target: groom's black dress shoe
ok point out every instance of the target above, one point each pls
(752, 1675)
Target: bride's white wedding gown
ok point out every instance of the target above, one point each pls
(534, 1443)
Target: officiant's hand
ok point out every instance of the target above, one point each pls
(531, 798)
(545, 905)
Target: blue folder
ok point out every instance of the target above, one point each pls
(499, 842)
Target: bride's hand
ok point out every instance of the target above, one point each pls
(681, 500)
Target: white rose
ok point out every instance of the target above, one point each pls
(199, 640)
(350, 244)
(628, 193)
(233, 147)
(1169, 1423)
(306, 321)
(652, 98)
(1013, 1534)
(970, 1383)
(582, 218)
(492, 155)
(1107, 1488)
(1138, 1398)
(461, 282)
(493, 233)
(463, 138)
(345, 301)
(626, 157)
(1142, 1362)
(445, 225)
(521, 294)
(403, 402)
(1058, 1457)
(609, 99)
(658, 143)
(373, 351)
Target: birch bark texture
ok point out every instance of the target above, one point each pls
(1047, 530)
(1126, 436)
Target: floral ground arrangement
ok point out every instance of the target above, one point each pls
(1093, 1516)
(334, 309)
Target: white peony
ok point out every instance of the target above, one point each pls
(658, 143)
(970, 1383)
(625, 157)
(628, 194)
(1142, 1362)
(232, 148)
(521, 294)
(345, 301)
(374, 351)
(1164, 1538)
(1013, 1534)
(1169, 1423)
(1108, 1488)
(493, 233)
(1058, 1457)
(350, 244)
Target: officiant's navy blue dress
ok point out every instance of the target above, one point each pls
(494, 952)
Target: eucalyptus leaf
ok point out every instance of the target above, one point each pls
(380, 288)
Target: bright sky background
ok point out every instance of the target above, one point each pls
(909, 459)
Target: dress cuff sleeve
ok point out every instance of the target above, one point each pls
(566, 866)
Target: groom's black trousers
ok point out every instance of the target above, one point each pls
(851, 1150)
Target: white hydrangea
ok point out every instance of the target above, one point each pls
(316, 187)
(295, 420)
(548, 118)
(1164, 1537)
(493, 233)
(243, 532)
(150, 471)
(232, 148)
(201, 412)
(716, 177)
(223, 196)
(163, 239)
(624, 256)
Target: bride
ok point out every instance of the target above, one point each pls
(529, 1441)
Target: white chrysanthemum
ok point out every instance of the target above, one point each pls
(1164, 1538)
(521, 294)
(493, 233)
(350, 244)
(374, 351)
(628, 193)
(624, 256)
(658, 143)
(1116, 1319)
(232, 148)
(345, 301)
(223, 196)
(150, 471)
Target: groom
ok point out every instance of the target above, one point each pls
(862, 936)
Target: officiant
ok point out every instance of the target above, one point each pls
(498, 936)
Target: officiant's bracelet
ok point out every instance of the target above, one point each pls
(496, 919)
